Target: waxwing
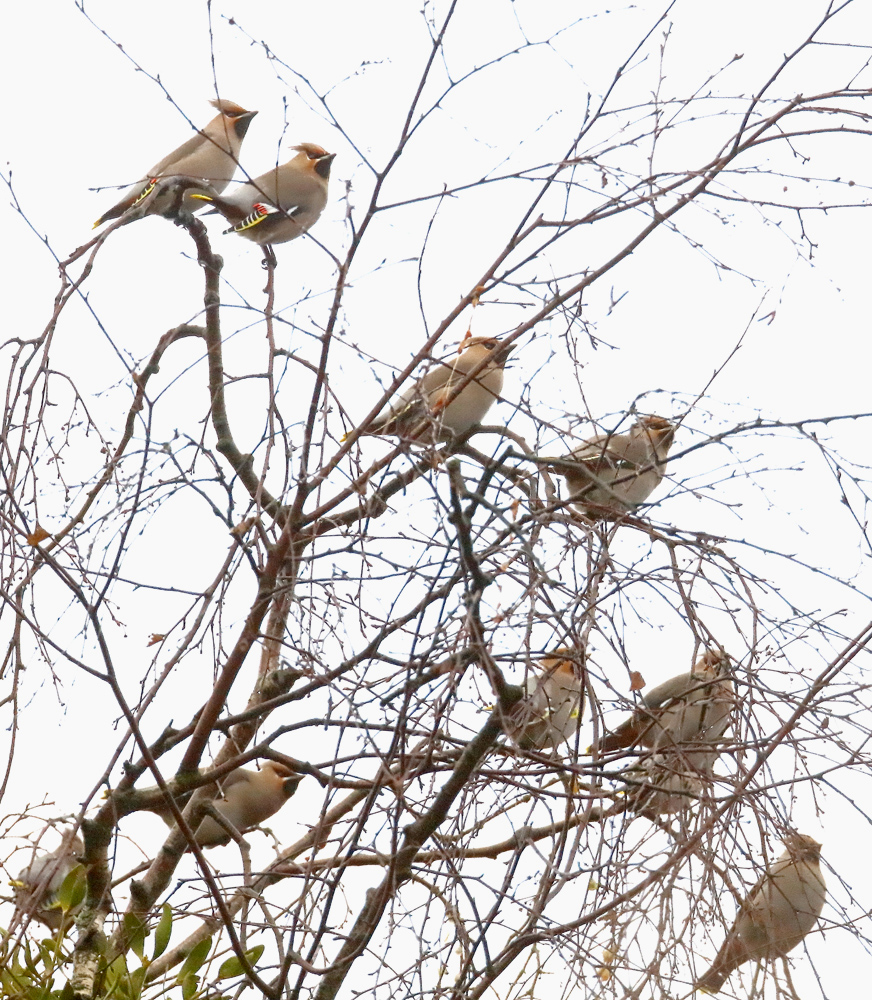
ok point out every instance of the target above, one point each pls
(662, 784)
(248, 798)
(427, 411)
(210, 156)
(611, 474)
(551, 712)
(692, 708)
(281, 204)
(777, 913)
(37, 885)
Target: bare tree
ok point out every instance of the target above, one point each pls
(385, 617)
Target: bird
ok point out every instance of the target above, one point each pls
(777, 913)
(433, 408)
(690, 711)
(247, 799)
(665, 783)
(611, 474)
(550, 714)
(209, 157)
(37, 885)
(281, 204)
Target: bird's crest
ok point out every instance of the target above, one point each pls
(229, 108)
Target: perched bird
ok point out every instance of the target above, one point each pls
(37, 885)
(281, 204)
(433, 408)
(208, 157)
(662, 784)
(777, 914)
(248, 798)
(611, 474)
(690, 709)
(551, 712)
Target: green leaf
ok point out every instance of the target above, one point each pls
(189, 986)
(137, 980)
(163, 932)
(233, 967)
(29, 958)
(72, 890)
(117, 978)
(199, 954)
(136, 930)
(49, 952)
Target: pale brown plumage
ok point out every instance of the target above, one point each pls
(691, 708)
(37, 885)
(550, 714)
(666, 783)
(433, 408)
(281, 204)
(247, 799)
(611, 474)
(210, 157)
(777, 914)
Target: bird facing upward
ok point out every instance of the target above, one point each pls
(433, 409)
(777, 913)
(611, 474)
(689, 708)
(281, 204)
(210, 156)
(551, 712)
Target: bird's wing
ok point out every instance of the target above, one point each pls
(181, 152)
(267, 217)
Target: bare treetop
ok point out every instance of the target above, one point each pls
(469, 566)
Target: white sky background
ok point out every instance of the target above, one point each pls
(80, 116)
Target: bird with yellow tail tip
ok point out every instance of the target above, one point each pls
(281, 204)
(38, 885)
(777, 913)
(210, 157)
(247, 799)
(611, 474)
(436, 408)
(690, 711)
(550, 714)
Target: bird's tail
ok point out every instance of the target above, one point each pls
(712, 981)
(232, 213)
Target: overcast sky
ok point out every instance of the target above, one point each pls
(87, 108)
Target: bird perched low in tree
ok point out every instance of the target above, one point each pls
(210, 157)
(435, 408)
(37, 885)
(551, 712)
(611, 474)
(777, 914)
(281, 204)
(691, 709)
